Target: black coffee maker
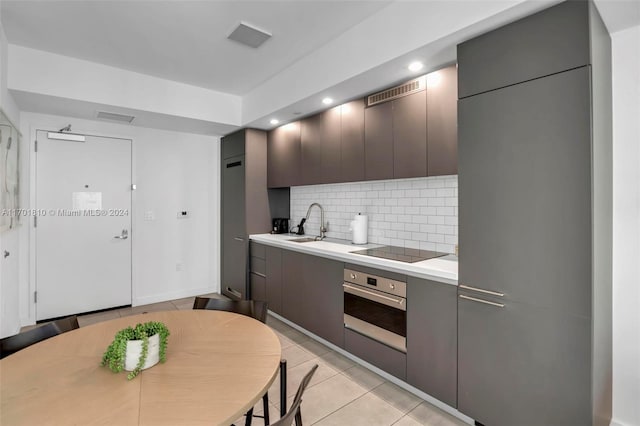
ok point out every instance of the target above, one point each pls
(280, 225)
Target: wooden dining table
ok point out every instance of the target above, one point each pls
(219, 364)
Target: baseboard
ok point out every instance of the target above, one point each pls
(146, 300)
(431, 400)
(616, 423)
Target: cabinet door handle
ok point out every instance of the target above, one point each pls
(481, 290)
(486, 302)
(259, 274)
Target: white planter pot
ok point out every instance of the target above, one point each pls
(134, 348)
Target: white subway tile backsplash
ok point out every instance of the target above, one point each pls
(414, 213)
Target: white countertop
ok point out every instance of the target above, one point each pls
(442, 269)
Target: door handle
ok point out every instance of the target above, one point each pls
(123, 236)
(481, 290)
(238, 239)
(486, 302)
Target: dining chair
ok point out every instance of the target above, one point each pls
(252, 308)
(294, 412)
(67, 324)
(12, 344)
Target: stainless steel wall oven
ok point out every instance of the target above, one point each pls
(376, 307)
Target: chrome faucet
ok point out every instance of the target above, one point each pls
(323, 228)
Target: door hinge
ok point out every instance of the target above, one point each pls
(35, 146)
(35, 297)
(35, 221)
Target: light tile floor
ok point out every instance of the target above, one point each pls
(341, 391)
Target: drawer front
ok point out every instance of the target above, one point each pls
(258, 250)
(390, 360)
(259, 266)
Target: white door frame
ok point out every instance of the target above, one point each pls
(28, 305)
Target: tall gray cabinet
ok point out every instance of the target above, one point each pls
(534, 300)
(245, 205)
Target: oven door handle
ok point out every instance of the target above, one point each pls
(376, 297)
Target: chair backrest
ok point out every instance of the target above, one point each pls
(294, 411)
(251, 308)
(12, 344)
(67, 324)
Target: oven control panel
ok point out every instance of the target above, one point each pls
(387, 285)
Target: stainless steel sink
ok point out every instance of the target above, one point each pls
(303, 240)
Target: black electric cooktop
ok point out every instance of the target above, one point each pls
(400, 254)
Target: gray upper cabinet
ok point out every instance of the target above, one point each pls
(331, 164)
(378, 141)
(244, 205)
(283, 156)
(548, 42)
(311, 149)
(410, 135)
(432, 338)
(442, 122)
(352, 146)
(233, 145)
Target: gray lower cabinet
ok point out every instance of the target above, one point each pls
(273, 281)
(312, 294)
(390, 360)
(432, 338)
(266, 275)
(523, 365)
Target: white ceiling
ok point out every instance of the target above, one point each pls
(183, 41)
(345, 49)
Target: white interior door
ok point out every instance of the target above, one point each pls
(83, 228)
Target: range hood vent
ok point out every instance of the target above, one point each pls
(405, 89)
(115, 117)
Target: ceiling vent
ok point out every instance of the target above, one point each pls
(115, 117)
(405, 89)
(249, 35)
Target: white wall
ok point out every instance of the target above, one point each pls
(9, 240)
(626, 227)
(173, 171)
(419, 213)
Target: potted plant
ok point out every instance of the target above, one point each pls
(137, 348)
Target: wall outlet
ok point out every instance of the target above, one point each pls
(149, 215)
(179, 266)
(183, 214)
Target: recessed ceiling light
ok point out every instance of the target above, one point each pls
(327, 101)
(415, 66)
(274, 121)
